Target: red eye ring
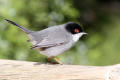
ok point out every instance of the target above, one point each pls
(76, 30)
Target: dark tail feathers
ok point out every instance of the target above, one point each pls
(22, 28)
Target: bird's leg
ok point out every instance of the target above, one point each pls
(55, 59)
(58, 61)
(48, 59)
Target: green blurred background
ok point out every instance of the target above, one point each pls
(100, 19)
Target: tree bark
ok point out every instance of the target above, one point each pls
(22, 70)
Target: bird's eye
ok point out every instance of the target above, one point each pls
(76, 30)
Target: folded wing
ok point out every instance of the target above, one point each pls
(50, 37)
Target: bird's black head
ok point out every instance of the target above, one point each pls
(73, 28)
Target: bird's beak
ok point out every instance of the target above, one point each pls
(84, 33)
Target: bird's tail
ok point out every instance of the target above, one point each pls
(22, 28)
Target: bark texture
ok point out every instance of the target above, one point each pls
(22, 70)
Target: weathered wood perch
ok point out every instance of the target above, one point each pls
(22, 70)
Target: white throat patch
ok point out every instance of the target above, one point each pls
(76, 36)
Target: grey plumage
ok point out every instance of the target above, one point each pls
(54, 40)
(51, 41)
(50, 36)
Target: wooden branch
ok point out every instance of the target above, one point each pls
(22, 70)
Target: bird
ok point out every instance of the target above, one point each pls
(54, 40)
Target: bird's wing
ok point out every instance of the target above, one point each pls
(50, 37)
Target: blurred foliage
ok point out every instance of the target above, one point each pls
(100, 19)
